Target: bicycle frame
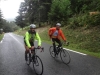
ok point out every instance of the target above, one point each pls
(64, 54)
(33, 52)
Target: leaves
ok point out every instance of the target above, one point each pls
(35, 11)
(60, 10)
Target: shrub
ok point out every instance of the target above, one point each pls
(77, 21)
(93, 20)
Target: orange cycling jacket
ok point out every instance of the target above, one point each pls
(60, 33)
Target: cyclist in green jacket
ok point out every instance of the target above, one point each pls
(30, 37)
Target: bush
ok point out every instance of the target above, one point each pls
(84, 20)
(93, 20)
(77, 21)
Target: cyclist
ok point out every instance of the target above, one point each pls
(55, 33)
(30, 36)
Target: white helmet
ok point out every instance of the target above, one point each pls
(32, 26)
(58, 24)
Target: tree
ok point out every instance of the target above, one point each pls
(20, 20)
(1, 22)
(82, 6)
(60, 10)
(35, 11)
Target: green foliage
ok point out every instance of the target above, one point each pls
(33, 11)
(60, 10)
(71, 12)
(88, 39)
(9, 26)
(1, 36)
(78, 6)
(1, 22)
(91, 41)
(84, 20)
(20, 22)
(77, 21)
(93, 20)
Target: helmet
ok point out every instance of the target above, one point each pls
(32, 26)
(58, 24)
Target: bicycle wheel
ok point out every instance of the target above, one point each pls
(28, 59)
(38, 65)
(51, 51)
(65, 57)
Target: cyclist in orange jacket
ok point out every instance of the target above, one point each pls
(55, 33)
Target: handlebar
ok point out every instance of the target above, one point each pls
(42, 48)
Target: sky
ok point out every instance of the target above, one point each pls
(10, 8)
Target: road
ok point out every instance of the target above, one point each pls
(12, 60)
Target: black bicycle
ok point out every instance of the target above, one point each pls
(35, 60)
(64, 54)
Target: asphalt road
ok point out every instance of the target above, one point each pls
(12, 60)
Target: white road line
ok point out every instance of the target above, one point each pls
(75, 51)
(15, 39)
(1, 42)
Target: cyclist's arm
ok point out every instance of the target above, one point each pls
(62, 35)
(27, 39)
(39, 39)
(50, 32)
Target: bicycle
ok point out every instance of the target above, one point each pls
(64, 54)
(35, 59)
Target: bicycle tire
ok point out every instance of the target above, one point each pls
(51, 51)
(65, 56)
(28, 59)
(37, 61)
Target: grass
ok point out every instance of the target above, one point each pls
(1, 36)
(82, 40)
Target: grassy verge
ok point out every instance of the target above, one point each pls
(1, 36)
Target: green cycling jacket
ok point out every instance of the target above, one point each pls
(28, 36)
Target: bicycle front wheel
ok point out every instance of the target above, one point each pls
(51, 50)
(38, 65)
(65, 56)
(28, 57)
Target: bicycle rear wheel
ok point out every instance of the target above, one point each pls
(65, 56)
(51, 50)
(28, 59)
(38, 65)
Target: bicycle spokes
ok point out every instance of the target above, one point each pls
(52, 53)
(64, 54)
(38, 66)
(36, 62)
(65, 57)
(28, 61)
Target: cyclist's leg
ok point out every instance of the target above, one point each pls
(26, 50)
(59, 44)
(54, 46)
(33, 51)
